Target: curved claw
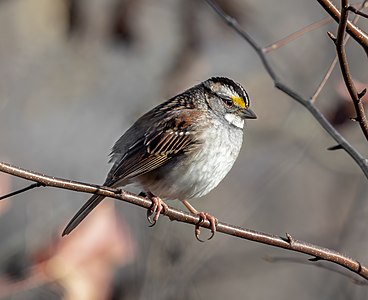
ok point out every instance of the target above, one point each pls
(157, 207)
(149, 219)
(197, 232)
(203, 217)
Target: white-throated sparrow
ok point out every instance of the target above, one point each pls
(181, 149)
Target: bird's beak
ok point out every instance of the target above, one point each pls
(247, 113)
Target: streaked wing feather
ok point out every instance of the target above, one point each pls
(168, 142)
(154, 150)
(143, 166)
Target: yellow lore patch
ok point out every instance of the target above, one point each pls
(238, 101)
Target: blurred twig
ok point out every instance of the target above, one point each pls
(318, 253)
(296, 34)
(307, 103)
(343, 61)
(324, 80)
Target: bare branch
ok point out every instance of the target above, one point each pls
(356, 33)
(340, 140)
(343, 61)
(335, 60)
(288, 243)
(275, 259)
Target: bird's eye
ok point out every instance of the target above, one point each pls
(227, 101)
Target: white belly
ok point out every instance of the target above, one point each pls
(197, 177)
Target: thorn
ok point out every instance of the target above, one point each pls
(290, 239)
(142, 194)
(362, 93)
(314, 259)
(336, 147)
(331, 36)
(360, 267)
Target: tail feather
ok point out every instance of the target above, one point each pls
(82, 213)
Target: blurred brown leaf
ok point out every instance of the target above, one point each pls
(84, 261)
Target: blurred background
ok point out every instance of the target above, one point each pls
(75, 74)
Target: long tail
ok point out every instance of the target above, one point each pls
(82, 213)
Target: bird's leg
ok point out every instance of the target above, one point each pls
(158, 205)
(203, 216)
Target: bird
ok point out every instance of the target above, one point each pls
(181, 149)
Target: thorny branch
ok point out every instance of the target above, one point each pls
(357, 34)
(313, 26)
(318, 253)
(343, 61)
(336, 59)
(342, 143)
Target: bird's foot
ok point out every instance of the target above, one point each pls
(158, 205)
(203, 216)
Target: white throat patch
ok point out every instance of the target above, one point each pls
(235, 120)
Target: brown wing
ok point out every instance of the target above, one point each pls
(161, 143)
